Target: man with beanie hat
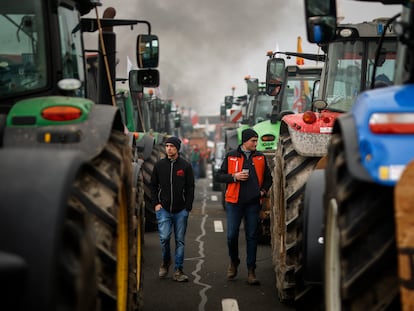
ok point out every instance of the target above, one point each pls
(172, 194)
(248, 179)
(247, 134)
(175, 141)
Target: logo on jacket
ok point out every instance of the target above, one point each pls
(180, 173)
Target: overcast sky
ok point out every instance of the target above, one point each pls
(206, 47)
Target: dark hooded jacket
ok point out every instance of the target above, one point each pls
(172, 185)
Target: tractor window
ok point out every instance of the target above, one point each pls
(384, 72)
(344, 78)
(22, 48)
(298, 91)
(71, 46)
(263, 108)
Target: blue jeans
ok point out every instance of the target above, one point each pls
(166, 222)
(235, 214)
(196, 169)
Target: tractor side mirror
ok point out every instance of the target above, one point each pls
(321, 20)
(228, 101)
(275, 72)
(147, 51)
(138, 79)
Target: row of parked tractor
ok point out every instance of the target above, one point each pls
(339, 137)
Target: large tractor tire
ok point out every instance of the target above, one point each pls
(77, 288)
(404, 198)
(360, 247)
(291, 172)
(103, 193)
(158, 152)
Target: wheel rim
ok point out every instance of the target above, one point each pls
(139, 254)
(122, 252)
(332, 259)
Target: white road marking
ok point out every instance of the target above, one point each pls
(218, 226)
(200, 260)
(214, 198)
(229, 304)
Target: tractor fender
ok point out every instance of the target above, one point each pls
(34, 186)
(90, 136)
(136, 170)
(345, 124)
(145, 146)
(312, 231)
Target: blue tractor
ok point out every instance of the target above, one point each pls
(354, 224)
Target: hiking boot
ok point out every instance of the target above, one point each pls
(251, 277)
(232, 270)
(164, 269)
(179, 276)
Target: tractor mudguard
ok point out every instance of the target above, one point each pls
(384, 137)
(312, 231)
(345, 124)
(90, 136)
(34, 187)
(145, 146)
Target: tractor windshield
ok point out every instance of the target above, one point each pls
(298, 90)
(262, 108)
(24, 55)
(350, 66)
(22, 49)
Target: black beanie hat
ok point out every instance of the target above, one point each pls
(175, 141)
(247, 134)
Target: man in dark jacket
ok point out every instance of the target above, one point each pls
(172, 198)
(248, 179)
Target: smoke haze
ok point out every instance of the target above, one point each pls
(206, 47)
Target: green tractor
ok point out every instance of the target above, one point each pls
(268, 102)
(72, 196)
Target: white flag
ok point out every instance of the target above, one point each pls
(130, 66)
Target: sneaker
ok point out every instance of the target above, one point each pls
(164, 269)
(179, 276)
(232, 270)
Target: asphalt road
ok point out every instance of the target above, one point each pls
(206, 262)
